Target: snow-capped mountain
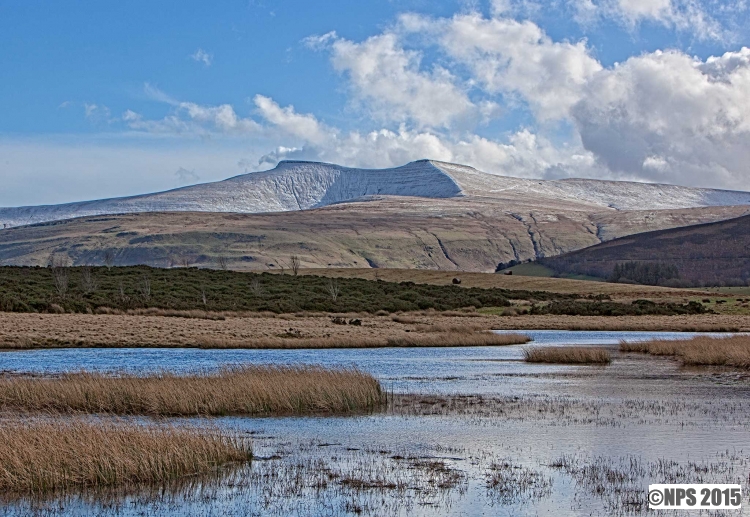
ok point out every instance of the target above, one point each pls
(293, 186)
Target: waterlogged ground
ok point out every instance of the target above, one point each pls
(486, 435)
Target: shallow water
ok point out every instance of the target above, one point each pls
(644, 418)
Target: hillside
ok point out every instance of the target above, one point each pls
(424, 215)
(713, 254)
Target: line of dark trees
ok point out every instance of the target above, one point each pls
(645, 273)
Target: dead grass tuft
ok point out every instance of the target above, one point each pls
(699, 351)
(43, 456)
(567, 355)
(252, 390)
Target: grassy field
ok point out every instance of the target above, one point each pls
(252, 390)
(43, 456)
(510, 282)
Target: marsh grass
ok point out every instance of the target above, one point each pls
(254, 390)
(43, 456)
(567, 355)
(292, 339)
(699, 351)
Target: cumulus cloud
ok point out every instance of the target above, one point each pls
(514, 57)
(671, 117)
(201, 56)
(305, 127)
(660, 116)
(389, 81)
(682, 15)
(190, 118)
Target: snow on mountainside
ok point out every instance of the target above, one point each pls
(302, 185)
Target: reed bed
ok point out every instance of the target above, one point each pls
(699, 351)
(567, 355)
(431, 338)
(43, 456)
(252, 390)
(444, 339)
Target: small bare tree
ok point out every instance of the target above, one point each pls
(185, 261)
(123, 296)
(222, 262)
(204, 298)
(61, 277)
(255, 285)
(333, 288)
(294, 264)
(109, 258)
(58, 264)
(88, 282)
(144, 288)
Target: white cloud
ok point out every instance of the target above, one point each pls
(387, 80)
(514, 58)
(669, 117)
(190, 118)
(201, 56)
(305, 127)
(682, 15)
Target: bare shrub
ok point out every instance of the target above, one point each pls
(60, 274)
(294, 264)
(88, 283)
(222, 262)
(255, 285)
(144, 288)
(109, 258)
(333, 288)
(567, 355)
(44, 456)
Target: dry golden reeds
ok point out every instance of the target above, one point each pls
(567, 355)
(700, 350)
(44, 456)
(252, 390)
(445, 339)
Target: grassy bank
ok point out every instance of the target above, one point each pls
(254, 390)
(699, 351)
(567, 355)
(41, 456)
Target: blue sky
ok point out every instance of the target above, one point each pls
(101, 99)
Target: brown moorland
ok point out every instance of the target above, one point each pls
(44, 456)
(251, 390)
(20, 331)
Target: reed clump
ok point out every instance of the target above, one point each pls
(446, 339)
(251, 390)
(38, 457)
(699, 351)
(567, 355)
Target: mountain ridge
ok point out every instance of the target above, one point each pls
(302, 185)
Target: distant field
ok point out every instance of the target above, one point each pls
(538, 270)
(498, 280)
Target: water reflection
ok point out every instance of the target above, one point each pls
(487, 435)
